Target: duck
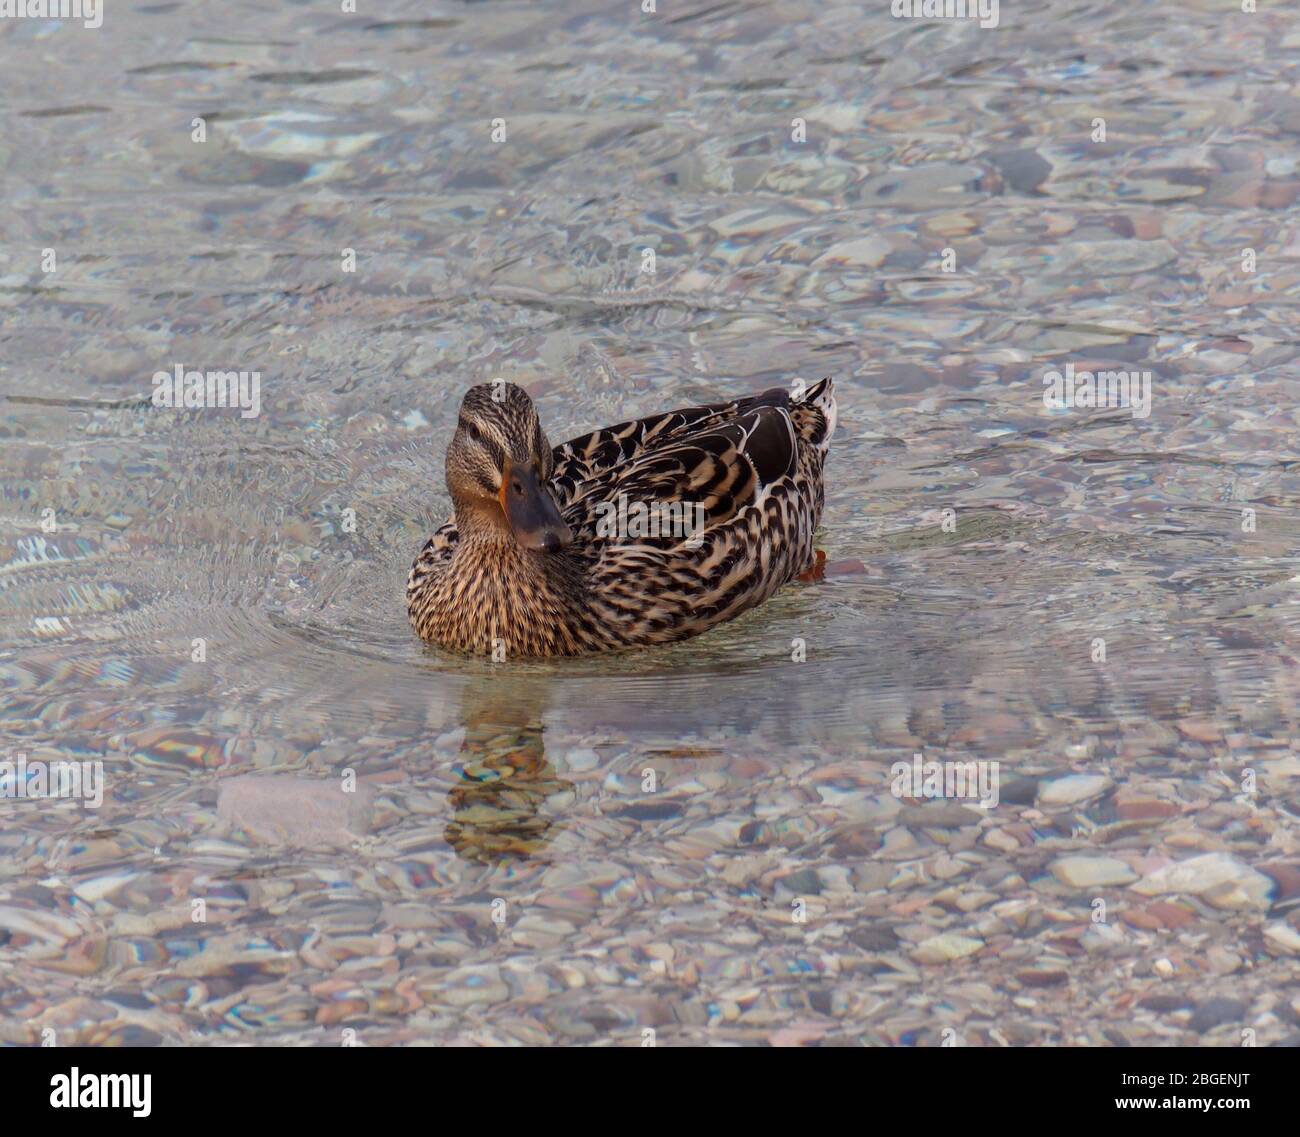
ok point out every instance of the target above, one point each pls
(634, 535)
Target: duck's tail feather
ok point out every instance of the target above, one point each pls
(815, 412)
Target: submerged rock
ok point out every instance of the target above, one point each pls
(1092, 872)
(281, 809)
(1220, 879)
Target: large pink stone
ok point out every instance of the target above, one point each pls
(283, 809)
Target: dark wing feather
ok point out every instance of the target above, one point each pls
(717, 470)
(613, 447)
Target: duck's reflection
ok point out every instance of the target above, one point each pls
(504, 775)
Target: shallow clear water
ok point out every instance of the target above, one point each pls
(1172, 538)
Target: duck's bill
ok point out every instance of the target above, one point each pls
(531, 510)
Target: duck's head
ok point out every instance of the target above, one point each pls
(498, 464)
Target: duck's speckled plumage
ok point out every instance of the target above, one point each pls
(752, 468)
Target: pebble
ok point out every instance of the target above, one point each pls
(1068, 790)
(472, 986)
(541, 932)
(898, 844)
(283, 809)
(1200, 730)
(1286, 877)
(1220, 879)
(869, 251)
(1001, 840)
(102, 887)
(1283, 937)
(940, 815)
(805, 882)
(583, 759)
(222, 954)
(1222, 961)
(1160, 915)
(1216, 1012)
(945, 947)
(1144, 810)
(1043, 976)
(1019, 912)
(47, 926)
(872, 876)
(1018, 791)
(1102, 938)
(945, 867)
(874, 937)
(1092, 872)
(1023, 170)
(1164, 1002)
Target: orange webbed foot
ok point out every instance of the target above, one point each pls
(815, 571)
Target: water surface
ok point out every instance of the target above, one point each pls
(282, 541)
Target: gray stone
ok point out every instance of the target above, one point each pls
(1216, 1012)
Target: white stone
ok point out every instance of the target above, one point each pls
(101, 886)
(945, 947)
(1075, 787)
(1218, 878)
(584, 759)
(1002, 840)
(48, 926)
(870, 251)
(1092, 872)
(1283, 937)
(1102, 938)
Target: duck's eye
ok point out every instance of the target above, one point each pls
(474, 433)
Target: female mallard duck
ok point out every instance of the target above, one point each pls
(540, 558)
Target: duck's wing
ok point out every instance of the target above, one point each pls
(613, 447)
(432, 559)
(694, 476)
(616, 447)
